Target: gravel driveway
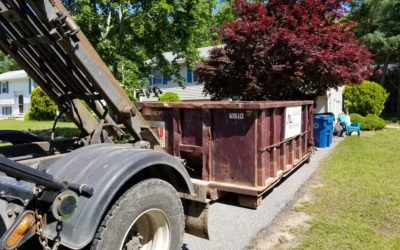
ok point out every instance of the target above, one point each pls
(233, 227)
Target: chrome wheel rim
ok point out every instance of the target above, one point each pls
(149, 231)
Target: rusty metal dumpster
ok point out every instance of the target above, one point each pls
(237, 147)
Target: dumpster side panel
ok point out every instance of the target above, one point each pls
(306, 128)
(267, 141)
(191, 122)
(280, 155)
(238, 147)
(206, 145)
(262, 159)
(161, 121)
(234, 146)
(276, 137)
(282, 160)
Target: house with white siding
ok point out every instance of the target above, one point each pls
(331, 102)
(15, 94)
(193, 90)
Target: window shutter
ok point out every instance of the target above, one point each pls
(157, 79)
(189, 75)
(165, 80)
(30, 86)
(7, 87)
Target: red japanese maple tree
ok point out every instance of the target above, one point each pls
(284, 50)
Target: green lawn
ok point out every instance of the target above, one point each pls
(42, 129)
(358, 203)
(32, 125)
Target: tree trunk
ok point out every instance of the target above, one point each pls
(108, 26)
(121, 42)
(398, 90)
(385, 68)
(121, 16)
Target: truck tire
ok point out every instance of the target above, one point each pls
(147, 216)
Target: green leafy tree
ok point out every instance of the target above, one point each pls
(379, 28)
(7, 64)
(284, 50)
(42, 107)
(128, 33)
(365, 98)
(223, 11)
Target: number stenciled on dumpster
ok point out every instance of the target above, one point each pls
(236, 116)
(293, 121)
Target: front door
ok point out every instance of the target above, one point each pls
(21, 104)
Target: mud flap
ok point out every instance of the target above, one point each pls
(3, 223)
(196, 222)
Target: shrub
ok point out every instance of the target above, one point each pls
(42, 107)
(356, 118)
(169, 97)
(370, 122)
(373, 122)
(27, 116)
(365, 98)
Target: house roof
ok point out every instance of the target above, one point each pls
(13, 75)
(190, 93)
(204, 53)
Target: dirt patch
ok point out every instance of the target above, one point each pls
(280, 234)
(368, 133)
(393, 126)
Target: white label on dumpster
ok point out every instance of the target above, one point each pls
(293, 121)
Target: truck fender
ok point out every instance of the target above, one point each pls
(108, 169)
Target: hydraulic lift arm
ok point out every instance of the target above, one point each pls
(42, 37)
(45, 41)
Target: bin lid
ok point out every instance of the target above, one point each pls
(324, 117)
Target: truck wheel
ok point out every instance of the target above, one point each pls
(147, 216)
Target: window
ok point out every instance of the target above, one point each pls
(157, 78)
(4, 87)
(6, 111)
(191, 76)
(164, 80)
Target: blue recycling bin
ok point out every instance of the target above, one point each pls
(323, 130)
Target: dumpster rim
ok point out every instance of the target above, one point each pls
(225, 104)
